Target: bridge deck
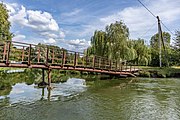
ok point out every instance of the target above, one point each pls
(24, 55)
(104, 71)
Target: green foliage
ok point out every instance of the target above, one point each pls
(177, 41)
(114, 43)
(117, 35)
(175, 50)
(5, 33)
(142, 51)
(144, 74)
(154, 43)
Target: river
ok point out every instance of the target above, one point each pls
(77, 99)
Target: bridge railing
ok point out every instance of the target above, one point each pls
(18, 52)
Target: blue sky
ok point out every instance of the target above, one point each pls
(71, 23)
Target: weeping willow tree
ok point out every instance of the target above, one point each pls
(111, 43)
(117, 37)
(114, 43)
(99, 43)
(154, 44)
(143, 52)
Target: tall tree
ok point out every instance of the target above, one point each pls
(143, 52)
(175, 50)
(117, 35)
(154, 43)
(177, 40)
(99, 43)
(5, 33)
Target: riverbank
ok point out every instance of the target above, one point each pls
(156, 72)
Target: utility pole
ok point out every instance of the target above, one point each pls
(160, 33)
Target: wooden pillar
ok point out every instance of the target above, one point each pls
(100, 63)
(159, 32)
(110, 64)
(86, 60)
(4, 54)
(29, 55)
(47, 55)
(23, 54)
(83, 61)
(49, 94)
(42, 92)
(43, 75)
(63, 58)
(75, 59)
(53, 56)
(49, 78)
(8, 53)
(126, 67)
(116, 66)
(38, 55)
(121, 66)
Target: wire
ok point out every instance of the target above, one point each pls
(155, 17)
(146, 8)
(167, 28)
(148, 30)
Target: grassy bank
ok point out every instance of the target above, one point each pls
(164, 72)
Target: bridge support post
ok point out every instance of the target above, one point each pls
(49, 94)
(43, 75)
(43, 83)
(49, 78)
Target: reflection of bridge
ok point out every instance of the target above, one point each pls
(24, 55)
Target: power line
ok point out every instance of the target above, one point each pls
(146, 8)
(148, 30)
(167, 28)
(155, 16)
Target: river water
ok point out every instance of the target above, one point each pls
(77, 99)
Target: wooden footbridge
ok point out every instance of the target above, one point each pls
(24, 55)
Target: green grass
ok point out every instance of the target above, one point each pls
(9, 68)
(173, 69)
(164, 71)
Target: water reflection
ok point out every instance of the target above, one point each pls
(22, 92)
(67, 90)
(122, 99)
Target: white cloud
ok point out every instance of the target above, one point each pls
(140, 20)
(50, 41)
(18, 17)
(61, 34)
(78, 44)
(37, 20)
(41, 23)
(48, 35)
(73, 13)
(12, 7)
(19, 37)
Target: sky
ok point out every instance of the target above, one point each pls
(71, 23)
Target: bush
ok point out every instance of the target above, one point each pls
(144, 74)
